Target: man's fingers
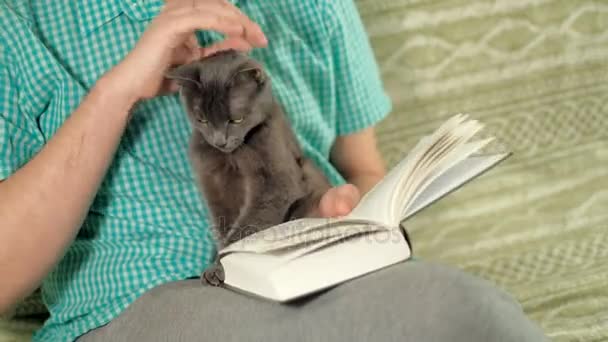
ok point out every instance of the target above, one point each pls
(180, 19)
(339, 201)
(252, 30)
(191, 51)
(230, 22)
(186, 22)
(185, 53)
(230, 43)
(348, 197)
(194, 49)
(168, 87)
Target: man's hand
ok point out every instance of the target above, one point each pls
(169, 40)
(358, 159)
(339, 201)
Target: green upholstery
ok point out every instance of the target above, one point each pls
(535, 72)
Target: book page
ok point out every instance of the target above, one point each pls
(300, 233)
(386, 202)
(260, 241)
(377, 204)
(448, 149)
(457, 155)
(452, 179)
(311, 246)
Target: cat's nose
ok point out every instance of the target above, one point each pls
(219, 140)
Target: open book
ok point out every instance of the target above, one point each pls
(305, 256)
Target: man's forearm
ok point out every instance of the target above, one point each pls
(43, 204)
(357, 157)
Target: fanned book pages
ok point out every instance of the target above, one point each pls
(305, 256)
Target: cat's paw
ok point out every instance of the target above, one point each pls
(213, 275)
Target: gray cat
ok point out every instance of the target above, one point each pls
(247, 160)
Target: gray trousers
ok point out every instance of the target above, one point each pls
(411, 301)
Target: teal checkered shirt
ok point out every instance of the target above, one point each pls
(147, 225)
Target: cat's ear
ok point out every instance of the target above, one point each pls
(248, 75)
(185, 75)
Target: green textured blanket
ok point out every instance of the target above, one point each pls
(536, 73)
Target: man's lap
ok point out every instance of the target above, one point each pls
(412, 301)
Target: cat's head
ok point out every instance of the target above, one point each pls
(226, 95)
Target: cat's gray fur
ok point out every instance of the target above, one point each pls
(250, 170)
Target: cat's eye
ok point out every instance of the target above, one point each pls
(236, 121)
(202, 120)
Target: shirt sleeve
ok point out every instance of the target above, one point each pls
(19, 140)
(361, 100)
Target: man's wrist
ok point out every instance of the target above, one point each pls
(109, 92)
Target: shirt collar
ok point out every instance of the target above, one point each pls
(95, 13)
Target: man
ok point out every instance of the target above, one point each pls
(98, 203)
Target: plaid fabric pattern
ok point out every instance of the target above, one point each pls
(147, 225)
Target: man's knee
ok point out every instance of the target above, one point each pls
(432, 302)
(412, 301)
